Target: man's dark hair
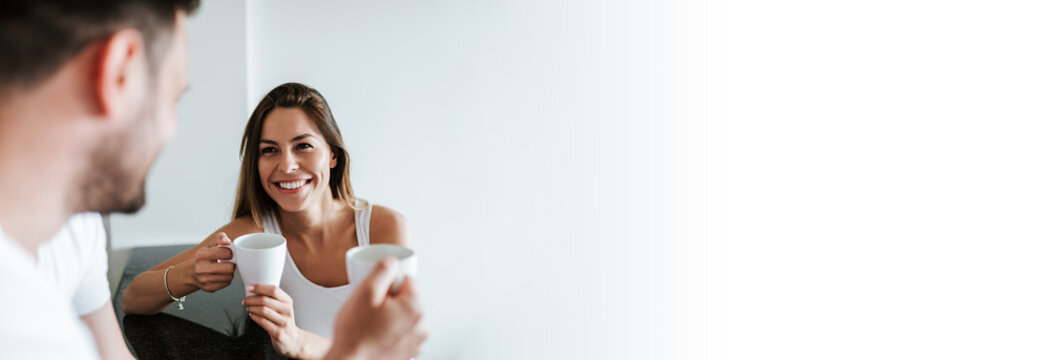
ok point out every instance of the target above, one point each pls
(38, 36)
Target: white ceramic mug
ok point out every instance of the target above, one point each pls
(360, 261)
(259, 258)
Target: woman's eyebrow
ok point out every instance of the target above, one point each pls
(302, 136)
(297, 138)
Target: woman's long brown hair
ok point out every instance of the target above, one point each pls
(252, 200)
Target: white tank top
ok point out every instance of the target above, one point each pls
(316, 306)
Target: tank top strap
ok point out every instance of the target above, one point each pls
(363, 217)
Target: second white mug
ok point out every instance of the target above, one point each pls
(362, 259)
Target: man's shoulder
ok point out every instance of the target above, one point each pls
(42, 327)
(41, 320)
(86, 220)
(87, 228)
(83, 234)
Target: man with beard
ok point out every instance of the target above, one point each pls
(88, 91)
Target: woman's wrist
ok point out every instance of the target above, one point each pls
(311, 346)
(300, 349)
(186, 282)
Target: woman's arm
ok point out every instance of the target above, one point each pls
(195, 269)
(147, 294)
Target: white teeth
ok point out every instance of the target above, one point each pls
(292, 185)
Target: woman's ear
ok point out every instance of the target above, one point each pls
(334, 162)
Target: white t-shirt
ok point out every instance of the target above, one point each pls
(37, 320)
(76, 260)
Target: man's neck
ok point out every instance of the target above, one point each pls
(37, 168)
(33, 204)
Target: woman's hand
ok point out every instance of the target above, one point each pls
(272, 310)
(209, 273)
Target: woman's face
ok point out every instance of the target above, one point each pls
(295, 162)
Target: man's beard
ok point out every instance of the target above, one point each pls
(111, 183)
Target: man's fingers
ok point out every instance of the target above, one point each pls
(422, 333)
(408, 288)
(378, 283)
(409, 295)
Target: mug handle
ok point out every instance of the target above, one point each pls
(233, 255)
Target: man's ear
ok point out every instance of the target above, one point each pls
(119, 77)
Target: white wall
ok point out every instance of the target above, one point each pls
(547, 155)
(886, 180)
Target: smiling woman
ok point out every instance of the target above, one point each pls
(287, 126)
(294, 181)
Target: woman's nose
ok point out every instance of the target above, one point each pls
(288, 164)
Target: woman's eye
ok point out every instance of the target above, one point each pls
(305, 146)
(268, 150)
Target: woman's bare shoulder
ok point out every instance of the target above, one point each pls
(388, 226)
(239, 226)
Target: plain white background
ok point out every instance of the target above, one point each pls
(886, 189)
(548, 156)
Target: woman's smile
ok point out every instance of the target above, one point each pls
(291, 186)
